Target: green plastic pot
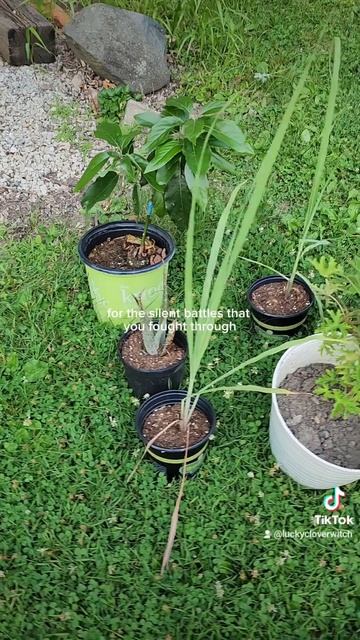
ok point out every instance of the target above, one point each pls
(113, 291)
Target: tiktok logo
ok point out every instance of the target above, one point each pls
(333, 502)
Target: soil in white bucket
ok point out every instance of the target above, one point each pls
(308, 416)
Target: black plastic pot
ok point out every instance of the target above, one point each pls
(278, 325)
(171, 461)
(114, 291)
(151, 381)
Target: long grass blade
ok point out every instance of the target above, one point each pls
(216, 246)
(261, 356)
(256, 195)
(256, 388)
(314, 199)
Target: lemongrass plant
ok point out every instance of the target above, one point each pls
(317, 191)
(306, 244)
(217, 274)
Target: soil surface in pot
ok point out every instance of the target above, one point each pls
(309, 418)
(134, 354)
(271, 298)
(174, 437)
(125, 253)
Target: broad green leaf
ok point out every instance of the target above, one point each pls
(224, 165)
(128, 139)
(159, 204)
(180, 107)
(178, 200)
(138, 161)
(148, 118)
(141, 163)
(110, 132)
(213, 108)
(192, 129)
(161, 132)
(116, 135)
(215, 143)
(163, 155)
(150, 178)
(200, 191)
(197, 158)
(228, 133)
(166, 172)
(127, 168)
(100, 190)
(95, 165)
(198, 186)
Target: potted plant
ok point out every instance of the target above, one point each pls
(280, 305)
(176, 426)
(315, 437)
(126, 259)
(153, 353)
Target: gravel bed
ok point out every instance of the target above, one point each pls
(47, 118)
(38, 168)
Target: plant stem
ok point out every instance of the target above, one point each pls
(143, 237)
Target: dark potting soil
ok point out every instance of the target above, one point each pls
(174, 437)
(134, 354)
(125, 253)
(309, 419)
(271, 298)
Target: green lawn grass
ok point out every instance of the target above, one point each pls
(80, 550)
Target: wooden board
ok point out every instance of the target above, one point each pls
(25, 35)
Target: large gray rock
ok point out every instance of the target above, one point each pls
(123, 46)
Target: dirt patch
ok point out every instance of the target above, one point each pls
(174, 437)
(309, 419)
(271, 298)
(126, 253)
(134, 354)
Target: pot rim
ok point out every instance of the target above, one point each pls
(126, 226)
(277, 278)
(181, 393)
(125, 336)
(275, 383)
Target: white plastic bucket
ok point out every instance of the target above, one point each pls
(294, 459)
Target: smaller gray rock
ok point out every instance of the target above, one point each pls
(133, 108)
(123, 46)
